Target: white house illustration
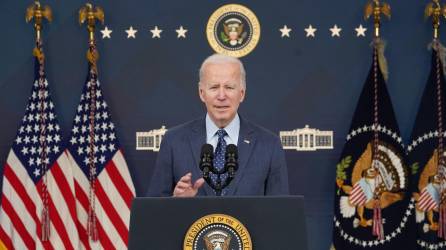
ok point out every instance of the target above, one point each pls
(300, 139)
(150, 140)
(306, 139)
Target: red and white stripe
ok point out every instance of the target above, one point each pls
(21, 206)
(357, 195)
(426, 201)
(114, 194)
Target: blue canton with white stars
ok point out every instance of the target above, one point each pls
(105, 141)
(30, 142)
(219, 158)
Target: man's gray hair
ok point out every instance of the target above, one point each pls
(220, 59)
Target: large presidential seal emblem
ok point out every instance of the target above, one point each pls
(217, 232)
(233, 30)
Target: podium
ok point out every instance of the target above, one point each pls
(276, 222)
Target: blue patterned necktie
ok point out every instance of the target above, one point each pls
(219, 157)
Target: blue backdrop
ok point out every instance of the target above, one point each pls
(291, 81)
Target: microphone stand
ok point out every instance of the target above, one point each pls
(231, 166)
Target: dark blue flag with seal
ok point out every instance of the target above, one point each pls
(373, 208)
(426, 158)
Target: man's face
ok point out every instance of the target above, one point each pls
(221, 91)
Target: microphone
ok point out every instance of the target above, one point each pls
(206, 159)
(231, 157)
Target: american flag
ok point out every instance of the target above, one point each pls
(357, 195)
(427, 202)
(103, 186)
(38, 175)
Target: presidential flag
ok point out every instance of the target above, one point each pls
(103, 185)
(426, 157)
(37, 204)
(372, 205)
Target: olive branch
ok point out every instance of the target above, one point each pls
(414, 168)
(341, 176)
(224, 37)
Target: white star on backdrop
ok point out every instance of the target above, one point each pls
(335, 31)
(106, 33)
(310, 31)
(285, 31)
(360, 31)
(131, 32)
(181, 32)
(156, 32)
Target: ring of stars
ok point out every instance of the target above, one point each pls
(379, 128)
(432, 246)
(213, 227)
(369, 243)
(422, 138)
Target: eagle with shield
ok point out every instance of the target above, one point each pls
(379, 179)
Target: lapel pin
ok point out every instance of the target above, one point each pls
(246, 141)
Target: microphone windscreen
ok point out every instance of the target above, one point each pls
(231, 149)
(207, 149)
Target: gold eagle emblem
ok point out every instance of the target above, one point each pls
(38, 12)
(233, 29)
(384, 177)
(88, 13)
(217, 240)
(427, 199)
(376, 8)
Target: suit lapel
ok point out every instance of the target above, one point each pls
(197, 138)
(245, 145)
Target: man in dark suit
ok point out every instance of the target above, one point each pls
(262, 167)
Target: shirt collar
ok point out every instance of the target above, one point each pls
(232, 129)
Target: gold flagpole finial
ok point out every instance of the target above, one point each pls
(90, 14)
(376, 8)
(38, 13)
(434, 10)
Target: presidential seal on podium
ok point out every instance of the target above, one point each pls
(217, 232)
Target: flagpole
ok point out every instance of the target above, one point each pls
(90, 15)
(434, 10)
(36, 12)
(376, 8)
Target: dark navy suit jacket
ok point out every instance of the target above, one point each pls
(262, 166)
